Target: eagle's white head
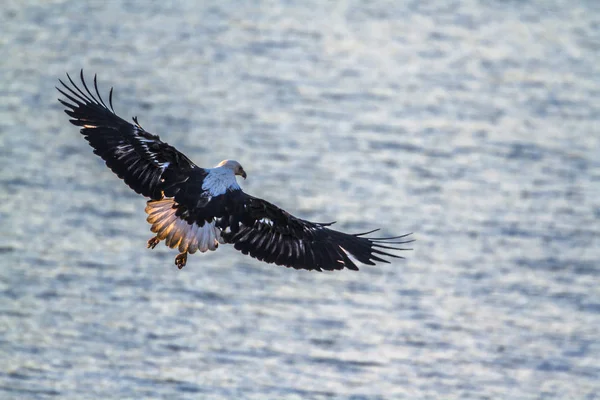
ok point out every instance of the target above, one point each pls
(234, 166)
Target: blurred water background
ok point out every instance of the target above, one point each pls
(474, 124)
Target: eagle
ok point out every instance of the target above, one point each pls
(192, 208)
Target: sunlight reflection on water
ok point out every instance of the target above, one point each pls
(471, 124)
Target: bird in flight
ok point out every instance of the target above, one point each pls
(194, 209)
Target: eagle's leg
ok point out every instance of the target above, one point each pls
(181, 259)
(153, 242)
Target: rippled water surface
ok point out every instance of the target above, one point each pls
(473, 124)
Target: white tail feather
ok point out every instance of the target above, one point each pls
(177, 232)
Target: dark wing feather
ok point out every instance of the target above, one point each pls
(270, 234)
(148, 165)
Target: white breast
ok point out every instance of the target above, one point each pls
(219, 180)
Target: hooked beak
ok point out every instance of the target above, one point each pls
(243, 174)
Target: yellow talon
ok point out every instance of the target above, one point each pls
(181, 259)
(153, 242)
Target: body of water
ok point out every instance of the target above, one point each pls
(473, 124)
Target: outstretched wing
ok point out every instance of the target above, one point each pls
(270, 234)
(148, 165)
